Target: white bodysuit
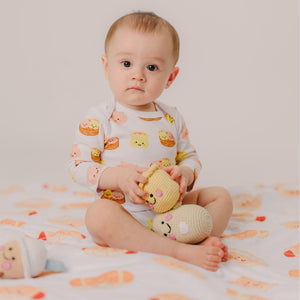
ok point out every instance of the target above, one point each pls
(112, 135)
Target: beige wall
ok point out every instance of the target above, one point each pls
(237, 88)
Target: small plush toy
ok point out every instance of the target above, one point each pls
(25, 257)
(185, 223)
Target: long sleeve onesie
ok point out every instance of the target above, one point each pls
(112, 135)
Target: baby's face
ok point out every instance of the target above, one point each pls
(139, 66)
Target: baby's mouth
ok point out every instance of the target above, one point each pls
(136, 88)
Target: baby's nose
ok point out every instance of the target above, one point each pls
(138, 76)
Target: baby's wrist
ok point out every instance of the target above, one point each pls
(188, 174)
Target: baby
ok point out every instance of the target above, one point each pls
(118, 140)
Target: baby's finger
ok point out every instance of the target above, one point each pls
(168, 169)
(140, 179)
(134, 198)
(183, 185)
(135, 189)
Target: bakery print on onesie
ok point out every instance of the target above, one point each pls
(112, 135)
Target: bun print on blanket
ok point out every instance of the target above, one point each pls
(24, 257)
(185, 223)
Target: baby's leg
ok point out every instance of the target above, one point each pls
(109, 224)
(218, 203)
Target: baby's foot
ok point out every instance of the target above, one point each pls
(216, 242)
(206, 256)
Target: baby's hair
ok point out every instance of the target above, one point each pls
(147, 22)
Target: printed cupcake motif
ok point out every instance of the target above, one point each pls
(117, 196)
(261, 234)
(288, 191)
(247, 217)
(184, 132)
(151, 119)
(139, 139)
(294, 273)
(60, 235)
(12, 222)
(177, 266)
(96, 155)
(180, 156)
(21, 292)
(118, 117)
(170, 296)
(238, 296)
(253, 284)
(93, 173)
(166, 138)
(111, 143)
(75, 152)
(164, 162)
(292, 225)
(112, 280)
(245, 258)
(34, 203)
(99, 251)
(67, 220)
(89, 127)
(170, 119)
(246, 202)
(57, 188)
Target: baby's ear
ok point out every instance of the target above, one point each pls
(105, 65)
(172, 77)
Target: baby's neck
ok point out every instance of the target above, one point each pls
(150, 107)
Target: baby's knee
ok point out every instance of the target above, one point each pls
(97, 218)
(224, 196)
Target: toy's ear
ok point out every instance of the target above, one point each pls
(148, 173)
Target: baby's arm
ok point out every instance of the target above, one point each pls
(125, 179)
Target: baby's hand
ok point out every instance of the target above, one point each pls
(128, 181)
(177, 173)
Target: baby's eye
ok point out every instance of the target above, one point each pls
(152, 68)
(126, 63)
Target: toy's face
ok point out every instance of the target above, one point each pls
(166, 227)
(169, 226)
(11, 264)
(153, 197)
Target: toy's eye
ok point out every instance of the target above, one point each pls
(165, 234)
(162, 222)
(151, 195)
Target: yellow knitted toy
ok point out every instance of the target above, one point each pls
(163, 192)
(185, 223)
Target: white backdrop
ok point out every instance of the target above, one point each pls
(237, 87)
